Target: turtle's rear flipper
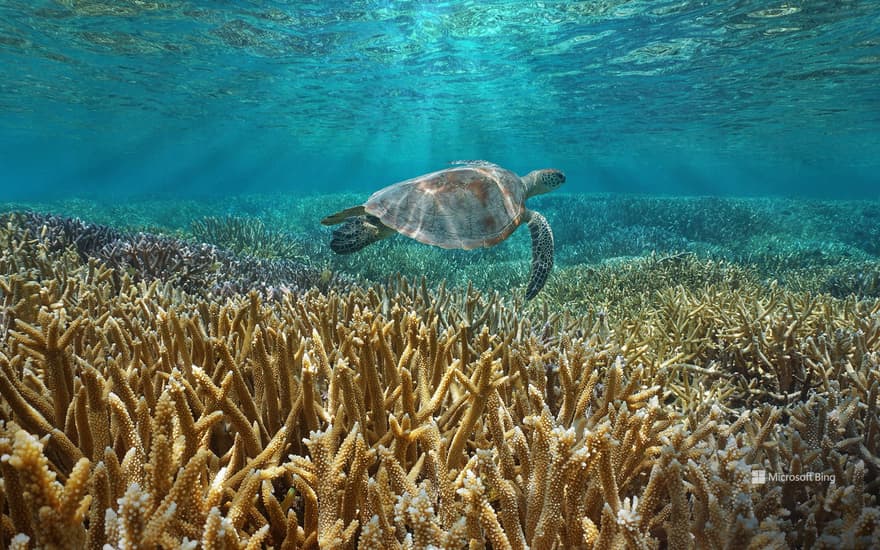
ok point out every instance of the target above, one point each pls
(356, 233)
(542, 253)
(343, 215)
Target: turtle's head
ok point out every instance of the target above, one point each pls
(543, 181)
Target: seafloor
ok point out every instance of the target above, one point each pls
(697, 373)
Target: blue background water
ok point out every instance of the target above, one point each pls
(111, 98)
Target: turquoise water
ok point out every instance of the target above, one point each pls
(113, 98)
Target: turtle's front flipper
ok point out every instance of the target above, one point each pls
(358, 232)
(542, 252)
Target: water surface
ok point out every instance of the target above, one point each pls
(102, 98)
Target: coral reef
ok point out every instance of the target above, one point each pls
(246, 235)
(191, 266)
(139, 412)
(627, 285)
(814, 246)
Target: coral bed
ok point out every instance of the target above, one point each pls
(139, 414)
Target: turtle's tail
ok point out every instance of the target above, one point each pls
(356, 233)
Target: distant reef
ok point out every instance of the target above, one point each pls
(192, 266)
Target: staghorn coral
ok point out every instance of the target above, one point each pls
(810, 246)
(623, 286)
(136, 414)
(245, 235)
(193, 267)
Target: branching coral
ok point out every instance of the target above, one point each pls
(248, 236)
(809, 246)
(193, 267)
(136, 414)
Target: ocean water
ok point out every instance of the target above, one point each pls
(115, 98)
(174, 322)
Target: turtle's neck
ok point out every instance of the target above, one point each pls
(531, 184)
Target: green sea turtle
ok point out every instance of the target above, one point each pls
(473, 204)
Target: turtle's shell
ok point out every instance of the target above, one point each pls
(463, 207)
